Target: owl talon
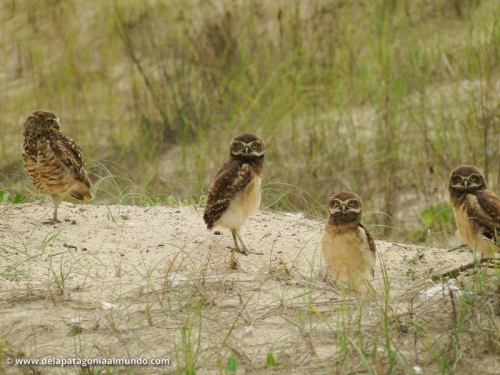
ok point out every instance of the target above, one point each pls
(242, 252)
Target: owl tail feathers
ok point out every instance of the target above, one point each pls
(81, 192)
(210, 224)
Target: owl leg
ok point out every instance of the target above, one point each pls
(54, 220)
(56, 206)
(235, 238)
(237, 233)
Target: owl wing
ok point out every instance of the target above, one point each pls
(488, 219)
(231, 179)
(371, 243)
(70, 154)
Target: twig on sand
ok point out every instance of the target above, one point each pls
(456, 271)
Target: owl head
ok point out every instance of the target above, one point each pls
(247, 146)
(41, 121)
(345, 206)
(466, 178)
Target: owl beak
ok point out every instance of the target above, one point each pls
(465, 182)
(246, 150)
(344, 207)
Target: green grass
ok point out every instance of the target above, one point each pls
(380, 97)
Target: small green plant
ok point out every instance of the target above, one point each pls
(6, 197)
(437, 215)
(435, 220)
(271, 362)
(415, 258)
(59, 271)
(188, 349)
(232, 365)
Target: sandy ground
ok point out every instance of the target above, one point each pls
(152, 282)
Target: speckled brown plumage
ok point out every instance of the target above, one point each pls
(476, 210)
(235, 191)
(347, 246)
(53, 162)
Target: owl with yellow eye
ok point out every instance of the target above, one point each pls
(347, 246)
(235, 191)
(476, 210)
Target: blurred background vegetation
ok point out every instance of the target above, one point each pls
(381, 97)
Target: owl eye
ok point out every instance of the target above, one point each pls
(336, 203)
(48, 121)
(458, 179)
(352, 203)
(240, 145)
(473, 178)
(254, 145)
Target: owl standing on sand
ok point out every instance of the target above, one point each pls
(476, 210)
(235, 191)
(53, 162)
(347, 246)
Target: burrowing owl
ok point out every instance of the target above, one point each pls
(347, 246)
(54, 162)
(476, 209)
(235, 191)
